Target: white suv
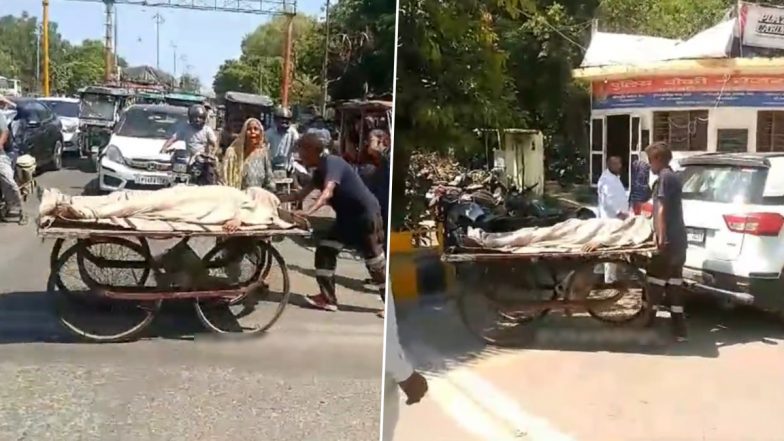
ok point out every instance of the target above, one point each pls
(733, 207)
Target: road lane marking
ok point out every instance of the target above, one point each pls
(479, 407)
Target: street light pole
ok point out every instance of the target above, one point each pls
(38, 58)
(286, 83)
(174, 48)
(158, 21)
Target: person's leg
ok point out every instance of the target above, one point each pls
(391, 408)
(326, 261)
(11, 194)
(674, 295)
(371, 246)
(656, 281)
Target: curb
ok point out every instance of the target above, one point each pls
(417, 275)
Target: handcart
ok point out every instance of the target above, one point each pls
(119, 285)
(503, 292)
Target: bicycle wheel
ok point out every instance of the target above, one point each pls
(95, 318)
(260, 270)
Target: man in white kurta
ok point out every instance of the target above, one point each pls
(613, 203)
(398, 374)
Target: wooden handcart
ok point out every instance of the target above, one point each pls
(109, 286)
(503, 292)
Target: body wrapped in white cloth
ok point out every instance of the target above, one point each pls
(570, 235)
(212, 205)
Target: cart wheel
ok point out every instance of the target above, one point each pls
(266, 291)
(620, 304)
(92, 317)
(58, 247)
(489, 311)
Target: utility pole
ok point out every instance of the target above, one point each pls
(174, 48)
(38, 58)
(45, 27)
(108, 47)
(116, 58)
(158, 21)
(324, 80)
(285, 84)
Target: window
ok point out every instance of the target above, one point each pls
(683, 131)
(42, 112)
(732, 140)
(770, 131)
(725, 184)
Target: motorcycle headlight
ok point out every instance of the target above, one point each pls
(112, 153)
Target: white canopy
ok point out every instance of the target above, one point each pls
(608, 49)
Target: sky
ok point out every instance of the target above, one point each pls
(204, 39)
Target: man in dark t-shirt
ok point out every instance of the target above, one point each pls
(358, 223)
(665, 271)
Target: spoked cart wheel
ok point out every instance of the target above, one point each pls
(620, 303)
(105, 263)
(260, 271)
(60, 243)
(497, 313)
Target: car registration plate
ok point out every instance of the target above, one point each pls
(695, 236)
(150, 180)
(180, 168)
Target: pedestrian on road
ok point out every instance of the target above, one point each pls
(247, 163)
(8, 186)
(378, 150)
(665, 271)
(613, 204)
(640, 188)
(282, 138)
(358, 223)
(398, 374)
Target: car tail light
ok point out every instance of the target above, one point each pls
(647, 209)
(757, 224)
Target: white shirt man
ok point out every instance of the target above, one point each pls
(282, 143)
(613, 204)
(399, 373)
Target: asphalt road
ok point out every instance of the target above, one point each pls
(578, 380)
(314, 377)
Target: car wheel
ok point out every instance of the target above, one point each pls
(57, 156)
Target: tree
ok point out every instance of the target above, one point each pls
(190, 83)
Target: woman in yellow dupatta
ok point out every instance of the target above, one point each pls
(246, 162)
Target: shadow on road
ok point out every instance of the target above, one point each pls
(74, 162)
(30, 317)
(437, 340)
(346, 282)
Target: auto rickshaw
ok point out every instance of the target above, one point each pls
(181, 99)
(355, 119)
(99, 110)
(150, 97)
(238, 107)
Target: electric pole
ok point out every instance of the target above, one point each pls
(158, 21)
(285, 84)
(108, 48)
(324, 80)
(174, 59)
(45, 27)
(38, 58)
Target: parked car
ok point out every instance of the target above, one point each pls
(733, 207)
(132, 159)
(67, 109)
(37, 131)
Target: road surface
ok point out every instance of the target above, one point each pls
(315, 377)
(580, 381)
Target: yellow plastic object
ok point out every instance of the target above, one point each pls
(402, 267)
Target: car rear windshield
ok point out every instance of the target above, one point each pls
(725, 184)
(140, 123)
(65, 109)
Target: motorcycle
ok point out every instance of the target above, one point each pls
(456, 212)
(522, 203)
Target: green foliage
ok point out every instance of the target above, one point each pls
(662, 18)
(190, 83)
(71, 67)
